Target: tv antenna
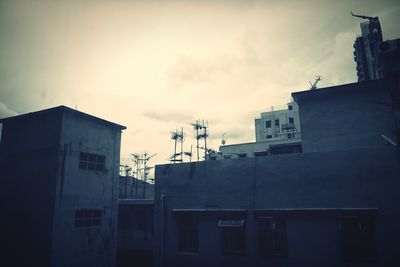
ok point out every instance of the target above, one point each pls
(314, 84)
(177, 136)
(364, 17)
(201, 133)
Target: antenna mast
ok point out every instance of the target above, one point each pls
(314, 84)
(197, 126)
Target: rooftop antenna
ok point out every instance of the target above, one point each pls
(314, 84)
(364, 17)
(177, 136)
(223, 142)
(197, 126)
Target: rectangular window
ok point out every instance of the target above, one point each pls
(277, 122)
(233, 236)
(88, 217)
(269, 136)
(291, 120)
(92, 161)
(242, 155)
(268, 124)
(272, 237)
(188, 233)
(290, 107)
(358, 239)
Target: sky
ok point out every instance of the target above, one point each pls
(157, 66)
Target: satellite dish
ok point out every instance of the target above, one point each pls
(223, 139)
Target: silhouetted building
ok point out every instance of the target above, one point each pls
(59, 179)
(375, 58)
(389, 58)
(366, 49)
(335, 204)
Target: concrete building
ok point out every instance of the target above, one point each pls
(276, 131)
(366, 49)
(281, 124)
(132, 188)
(59, 181)
(374, 57)
(335, 204)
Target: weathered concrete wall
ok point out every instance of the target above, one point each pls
(361, 178)
(132, 188)
(86, 189)
(29, 154)
(347, 116)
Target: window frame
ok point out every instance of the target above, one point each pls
(92, 162)
(269, 236)
(187, 233)
(358, 240)
(233, 235)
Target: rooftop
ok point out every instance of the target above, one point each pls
(61, 109)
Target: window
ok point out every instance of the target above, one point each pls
(286, 149)
(291, 120)
(269, 136)
(242, 155)
(188, 233)
(272, 237)
(290, 107)
(268, 124)
(358, 239)
(233, 236)
(92, 161)
(87, 218)
(277, 122)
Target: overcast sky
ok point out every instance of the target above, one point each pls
(155, 66)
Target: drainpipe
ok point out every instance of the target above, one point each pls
(162, 198)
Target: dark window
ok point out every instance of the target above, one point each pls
(260, 153)
(286, 149)
(290, 107)
(291, 120)
(233, 236)
(268, 124)
(92, 161)
(290, 135)
(269, 136)
(272, 237)
(242, 155)
(277, 122)
(358, 239)
(188, 233)
(87, 218)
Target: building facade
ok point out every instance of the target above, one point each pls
(335, 204)
(59, 173)
(366, 49)
(276, 131)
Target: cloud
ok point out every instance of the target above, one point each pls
(5, 111)
(169, 116)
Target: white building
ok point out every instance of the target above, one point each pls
(276, 131)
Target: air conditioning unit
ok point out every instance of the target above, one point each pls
(388, 46)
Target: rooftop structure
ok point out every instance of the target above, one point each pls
(59, 171)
